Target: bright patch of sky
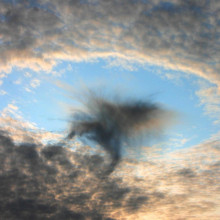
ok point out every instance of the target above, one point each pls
(41, 101)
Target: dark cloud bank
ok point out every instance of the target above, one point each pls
(55, 182)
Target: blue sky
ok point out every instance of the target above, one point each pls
(42, 103)
(166, 52)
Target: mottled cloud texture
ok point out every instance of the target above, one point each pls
(69, 180)
(177, 34)
(58, 182)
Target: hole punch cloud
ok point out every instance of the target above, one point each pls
(113, 123)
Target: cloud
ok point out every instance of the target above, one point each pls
(27, 75)
(20, 130)
(112, 123)
(3, 92)
(55, 181)
(210, 98)
(51, 182)
(65, 179)
(35, 83)
(18, 81)
(175, 34)
(68, 180)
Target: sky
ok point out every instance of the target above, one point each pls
(110, 109)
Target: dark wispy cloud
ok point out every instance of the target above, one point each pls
(113, 123)
(177, 34)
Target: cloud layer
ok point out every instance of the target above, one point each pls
(176, 34)
(54, 182)
(68, 180)
(65, 181)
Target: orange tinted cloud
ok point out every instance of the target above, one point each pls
(56, 181)
(179, 35)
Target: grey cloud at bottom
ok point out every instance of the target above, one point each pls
(55, 182)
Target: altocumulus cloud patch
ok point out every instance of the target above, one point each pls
(178, 34)
(54, 182)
